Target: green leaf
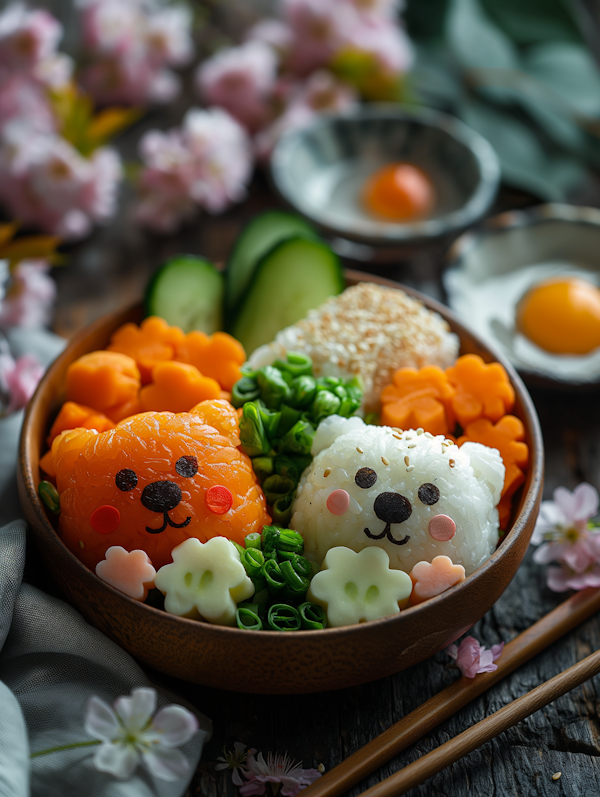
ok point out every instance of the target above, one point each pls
(570, 71)
(435, 77)
(525, 164)
(475, 40)
(530, 21)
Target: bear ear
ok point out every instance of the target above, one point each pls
(221, 415)
(66, 448)
(487, 465)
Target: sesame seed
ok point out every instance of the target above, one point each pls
(359, 449)
(326, 472)
(407, 460)
(397, 436)
(429, 435)
(410, 467)
(385, 461)
(412, 445)
(420, 430)
(556, 775)
(451, 462)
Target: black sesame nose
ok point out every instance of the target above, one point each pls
(392, 508)
(161, 496)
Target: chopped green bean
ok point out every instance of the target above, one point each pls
(270, 535)
(49, 496)
(290, 540)
(245, 389)
(276, 582)
(273, 388)
(252, 431)
(296, 583)
(296, 364)
(253, 560)
(253, 540)
(312, 616)
(247, 619)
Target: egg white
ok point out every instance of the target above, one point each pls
(489, 308)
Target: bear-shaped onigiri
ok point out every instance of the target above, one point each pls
(414, 495)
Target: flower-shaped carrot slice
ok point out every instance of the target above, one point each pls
(130, 572)
(507, 436)
(419, 398)
(177, 387)
(73, 415)
(152, 342)
(482, 390)
(218, 356)
(433, 579)
(220, 415)
(103, 380)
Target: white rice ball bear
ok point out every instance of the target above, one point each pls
(414, 495)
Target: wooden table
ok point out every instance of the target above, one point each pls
(110, 270)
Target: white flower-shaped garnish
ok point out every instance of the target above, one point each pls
(206, 579)
(355, 587)
(129, 734)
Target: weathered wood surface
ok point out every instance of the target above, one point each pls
(110, 270)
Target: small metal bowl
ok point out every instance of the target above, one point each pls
(320, 171)
(490, 270)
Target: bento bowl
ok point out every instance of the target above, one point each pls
(270, 661)
(320, 170)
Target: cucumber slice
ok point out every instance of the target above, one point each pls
(187, 291)
(255, 240)
(294, 277)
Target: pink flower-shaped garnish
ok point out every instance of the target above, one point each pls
(472, 658)
(433, 579)
(130, 572)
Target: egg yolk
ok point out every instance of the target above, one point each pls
(399, 192)
(561, 316)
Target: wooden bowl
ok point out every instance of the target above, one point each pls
(269, 661)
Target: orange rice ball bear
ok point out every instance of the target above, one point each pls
(155, 480)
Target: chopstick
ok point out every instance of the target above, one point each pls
(486, 729)
(440, 707)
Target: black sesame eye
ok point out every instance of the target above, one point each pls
(187, 466)
(126, 479)
(429, 494)
(365, 478)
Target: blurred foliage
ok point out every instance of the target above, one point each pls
(84, 128)
(519, 72)
(27, 247)
(372, 81)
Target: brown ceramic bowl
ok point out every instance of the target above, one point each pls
(268, 661)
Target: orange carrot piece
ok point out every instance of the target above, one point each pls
(102, 379)
(73, 415)
(507, 436)
(218, 356)
(152, 342)
(505, 511)
(220, 415)
(482, 390)
(177, 387)
(419, 398)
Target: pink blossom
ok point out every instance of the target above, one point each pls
(18, 378)
(382, 38)
(239, 80)
(273, 32)
(376, 9)
(234, 760)
(27, 37)
(45, 182)
(472, 658)
(563, 535)
(129, 47)
(22, 97)
(322, 91)
(55, 72)
(277, 769)
(317, 28)
(296, 116)
(28, 300)
(204, 164)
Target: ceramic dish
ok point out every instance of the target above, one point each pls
(269, 661)
(320, 171)
(490, 270)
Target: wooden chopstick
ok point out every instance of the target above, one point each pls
(488, 728)
(440, 707)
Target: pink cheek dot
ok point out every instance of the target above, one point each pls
(442, 528)
(105, 519)
(338, 502)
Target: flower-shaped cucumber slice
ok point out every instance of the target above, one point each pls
(356, 587)
(206, 579)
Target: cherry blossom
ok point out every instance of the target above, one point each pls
(564, 535)
(130, 734)
(234, 760)
(18, 378)
(28, 300)
(472, 658)
(276, 769)
(27, 37)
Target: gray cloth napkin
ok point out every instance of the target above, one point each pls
(52, 661)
